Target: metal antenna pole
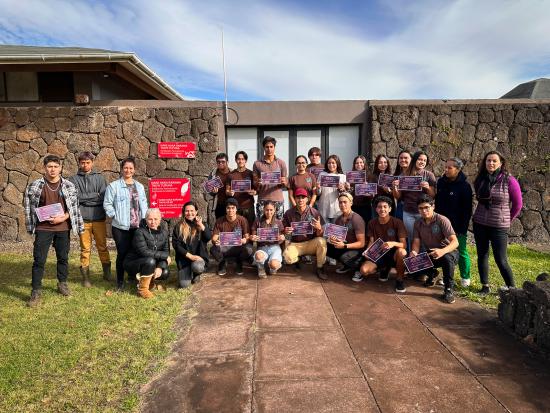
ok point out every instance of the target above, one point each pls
(224, 80)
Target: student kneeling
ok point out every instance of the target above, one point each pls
(348, 251)
(392, 231)
(149, 257)
(435, 232)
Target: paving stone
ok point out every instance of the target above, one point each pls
(304, 355)
(520, 393)
(295, 312)
(314, 396)
(285, 285)
(358, 299)
(219, 295)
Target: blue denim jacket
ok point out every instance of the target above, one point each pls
(117, 203)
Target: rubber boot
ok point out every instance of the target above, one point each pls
(85, 272)
(107, 271)
(143, 287)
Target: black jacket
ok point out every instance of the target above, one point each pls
(91, 190)
(195, 246)
(454, 200)
(150, 243)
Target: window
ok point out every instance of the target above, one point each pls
(344, 142)
(56, 86)
(21, 87)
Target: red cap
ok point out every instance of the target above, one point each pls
(301, 192)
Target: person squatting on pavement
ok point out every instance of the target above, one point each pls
(47, 191)
(90, 186)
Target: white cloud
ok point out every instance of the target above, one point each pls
(462, 49)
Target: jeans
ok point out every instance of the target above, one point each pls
(188, 270)
(123, 241)
(97, 230)
(447, 264)
(146, 266)
(270, 252)
(241, 253)
(42, 242)
(350, 258)
(498, 237)
(464, 263)
(399, 210)
(409, 219)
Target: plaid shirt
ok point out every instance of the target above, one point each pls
(32, 201)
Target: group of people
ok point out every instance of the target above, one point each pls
(329, 219)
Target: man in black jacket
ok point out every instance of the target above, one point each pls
(90, 186)
(454, 200)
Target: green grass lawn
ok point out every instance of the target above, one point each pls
(87, 352)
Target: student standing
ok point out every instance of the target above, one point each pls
(302, 179)
(222, 171)
(246, 198)
(361, 203)
(403, 162)
(328, 201)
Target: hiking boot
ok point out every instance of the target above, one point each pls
(239, 268)
(400, 286)
(342, 269)
(465, 282)
(357, 277)
(107, 271)
(384, 275)
(144, 285)
(321, 273)
(485, 290)
(261, 272)
(449, 297)
(35, 298)
(85, 272)
(222, 268)
(63, 289)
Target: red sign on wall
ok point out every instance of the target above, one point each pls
(169, 195)
(176, 149)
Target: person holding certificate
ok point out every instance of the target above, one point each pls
(219, 194)
(315, 166)
(189, 239)
(347, 249)
(381, 166)
(403, 162)
(387, 238)
(304, 225)
(240, 185)
(361, 203)
(230, 239)
(268, 233)
(51, 211)
(332, 181)
(435, 232)
(149, 257)
(302, 179)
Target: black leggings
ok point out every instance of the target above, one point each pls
(498, 237)
(146, 266)
(123, 241)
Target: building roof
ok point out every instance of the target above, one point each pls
(17, 55)
(534, 89)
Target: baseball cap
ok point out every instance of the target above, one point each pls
(301, 192)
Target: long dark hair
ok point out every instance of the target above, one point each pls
(412, 165)
(482, 171)
(398, 169)
(364, 162)
(187, 231)
(338, 164)
(375, 170)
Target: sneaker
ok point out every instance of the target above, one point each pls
(400, 286)
(357, 277)
(342, 269)
(431, 278)
(384, 275)
(35, 298)
(306, 259)
(440, 281)
(239, 268)
(322, 274)
(485, 290)
(331, 261)
(63, 289)
(449, 297)
(465, 282)
(222, 268)
(261, 272)
(271, 271)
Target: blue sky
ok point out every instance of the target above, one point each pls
(306, 50)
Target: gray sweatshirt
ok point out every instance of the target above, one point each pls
(91, 190)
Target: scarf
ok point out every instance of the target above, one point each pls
(483, 190)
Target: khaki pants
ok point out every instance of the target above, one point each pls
(317, 246)
(98, 230)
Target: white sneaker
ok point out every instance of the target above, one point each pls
(331, 261)
(342, 269)
(465, 282)
(357, 277)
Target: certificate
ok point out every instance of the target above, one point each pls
(330, 181)
(376, 250)
(386, 180)
(301, 228)
(316, 170)
(45, 213)
(270, 234)
(418, 263)
(212, 184)
(271, 178)
(238, 185)
(356, 177)
(368, 189)
(410, 183)
(338, 231)
(230, 239)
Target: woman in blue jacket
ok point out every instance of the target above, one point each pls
(454, 200)
(125, 202)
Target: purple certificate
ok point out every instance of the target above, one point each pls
(386, 180)
(212, 184)
(356, 177)
(410, 183)
(273, 178)
(301, 228)
(47, 212)
(338, 231)
(330, 181)
(238, 185)
(368, 189)
(316, 170)
(376, 250)
(418, 263)
(270, 234)
(230, 239)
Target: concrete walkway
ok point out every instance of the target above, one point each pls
(291, 343)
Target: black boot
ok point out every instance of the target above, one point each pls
(107, 271)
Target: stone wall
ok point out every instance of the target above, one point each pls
(527, 311)
(113, 133)
(468, 130)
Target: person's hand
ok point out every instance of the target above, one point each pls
(413, 254)
(200, 225)
(254, 238)
(316, 223)
(57, 219)
(216, 242)
(424, 185)
(169, 260)
(230, 192)
(341, 186)
(244, 241)
(215, 190)
(281, 237)
(336, 242)
(387, 245)
(436, 253)
(288, 230)
(395, 184)
(157, 273)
